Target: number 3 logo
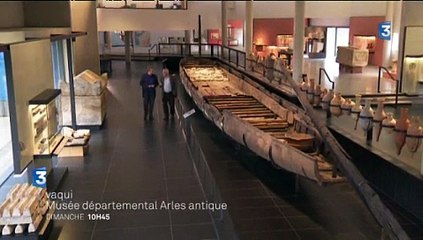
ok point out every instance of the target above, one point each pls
(40, 177)
(385, 30)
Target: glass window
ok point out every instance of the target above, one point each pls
(59, 69)
(6, 149)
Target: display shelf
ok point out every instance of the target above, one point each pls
(44, 122)
(45, 97)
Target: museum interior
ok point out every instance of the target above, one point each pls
(179, 120)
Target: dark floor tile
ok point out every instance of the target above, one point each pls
(71, 234)
(190, 216)
(413, 231)
(350, 236)
(194, 232)
(255, 213)
(314, 234)
(250, 202)
(259, 225)
(135, 195)
(155, 233)
(291, 211)
(273, 235)
(303, 222)
(184, 192)
(244, 193)
(115, 234)
(135, 219)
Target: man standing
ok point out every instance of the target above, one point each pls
(149, 83)
(169, 93)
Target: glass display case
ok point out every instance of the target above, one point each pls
(315, 42)
(45, 122)
(285, 41)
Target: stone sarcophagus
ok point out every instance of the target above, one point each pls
(90, 99)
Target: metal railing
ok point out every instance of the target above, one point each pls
(327, 76)
(391, 78)
(150, 49)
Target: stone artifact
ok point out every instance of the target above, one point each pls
(414, 134)
(366, 117)
(379, 117)
(310, 91)
(355, 111)
(326, 100)
(317, 96)
(389, 123)
(347, 105)
(23, 209)
(335, 105)
(90, 99)
(401, 127)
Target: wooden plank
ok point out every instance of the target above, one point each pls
(247, 115)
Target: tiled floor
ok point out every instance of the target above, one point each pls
(347, 83)
(131, 160)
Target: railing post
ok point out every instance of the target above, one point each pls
(245, 61)
(320, 76)
(229, 55)
(158, 47)
(212, 50)
(378, 79)
(237, 59)
(189, 47)
(182, 49)
(396, 93)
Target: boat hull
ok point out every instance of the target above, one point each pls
(278, 151)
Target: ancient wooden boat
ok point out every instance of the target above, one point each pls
(275, 132)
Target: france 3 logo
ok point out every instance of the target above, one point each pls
(39, 177)
(385, 30)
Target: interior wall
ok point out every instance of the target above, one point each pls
(46, 13)
(330, 22)
(84, 18)
(32, 70)
(413, 13)
(266, 30)
(11, 14)
(368, 26)
(150, 20)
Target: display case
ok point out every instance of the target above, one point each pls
(44, 115)
(285, 41)
(413, 72)
(90, 99)
(315, 42)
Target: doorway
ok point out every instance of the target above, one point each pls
(336, 37)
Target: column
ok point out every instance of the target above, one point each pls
(400, 55)
(128, 36)
(387, 45)
(224, 24)
(109, 41)
(187, 40)
(390, 48)
(248, 27)
(396, 28)
(298, 40)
